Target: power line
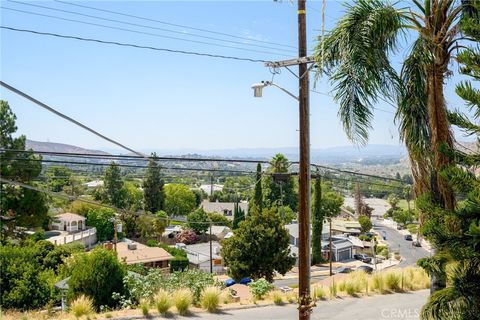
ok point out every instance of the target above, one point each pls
(187, 159)
(131, 165)
(132, 157)
(139, 32)
(72, 198)
(183, 33)
(43, 105)
(176, 25)
(122, 44)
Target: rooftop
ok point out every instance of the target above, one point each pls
(70, 217)
(219, 207)
(142, 254)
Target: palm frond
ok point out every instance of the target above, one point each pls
(356, 58)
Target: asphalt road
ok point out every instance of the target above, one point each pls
(392, 306)
(395, 239)
(294, 281)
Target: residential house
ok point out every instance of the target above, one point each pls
(207, 188)
(199, 256)
(70, 222)
(225, 208)
(133, 252)
(94, 184)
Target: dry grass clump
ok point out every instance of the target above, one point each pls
(277, 297)
(292, 297)
(81, 306)
(320, 293)
(162, 301)
(183, 300)
(145, 307)
(210, 298)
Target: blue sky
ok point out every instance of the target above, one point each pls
(156, 100)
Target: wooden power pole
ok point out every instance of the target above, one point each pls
(305, 307)
(305, 300)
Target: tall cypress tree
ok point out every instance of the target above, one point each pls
(114, 185)
(238, 215)
(153, 187)
(258, 197)
(317, 222)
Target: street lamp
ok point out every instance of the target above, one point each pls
(258, 89)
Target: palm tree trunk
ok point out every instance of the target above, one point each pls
(440, 135)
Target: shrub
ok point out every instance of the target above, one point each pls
(342, 286)
(392, 281)
(162, 301)
(320, 293)
(179, 264)
(292, 297)
(187, 236)
(81, 306)
(173, 251)
(260, 288)
(350, 288)
(378, 282)
(145, 307)
(210, 299)
(183, 299)
(333, 290)
(277, 297)
(97, 274)
(151, 243)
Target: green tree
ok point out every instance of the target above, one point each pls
(97, 274)
(132, 196)
(393, 201)
(102, 220)
(179, 200)
(259, 248)
(258, 194)
(356, 56)
(403, 217)
(219, 219)
(456, 233)
(365, 223)
(114, 185)
(152, 225)
(153, 187)
(23, 207)
(279, 188)
(326, 204)
(25, 283)
(198, 221)
(238, 215)
(58, 177)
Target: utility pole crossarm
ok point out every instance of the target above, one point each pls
(290, 62)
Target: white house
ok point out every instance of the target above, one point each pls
(70, 222)
(199, 256)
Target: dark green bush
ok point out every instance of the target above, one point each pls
(178, 264)
(97, 274)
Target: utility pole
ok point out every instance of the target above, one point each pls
(210, 240)
(305, 307)
(211, 186)
(305, 301)
(330, 253)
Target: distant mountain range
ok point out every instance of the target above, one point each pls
(335, 155)
(59, 147)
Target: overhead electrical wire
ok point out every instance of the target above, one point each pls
(183, 33)
(140, 32)
(175, 24)
(81, 199)
(123, 44)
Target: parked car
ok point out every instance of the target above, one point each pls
(366, 269)
(363, 257)
(416, 243)
(245, 281)
(343, 270)
(229, 282)
(408, 237)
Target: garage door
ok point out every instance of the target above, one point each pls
(344, 255)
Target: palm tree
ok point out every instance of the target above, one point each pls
(355, 54)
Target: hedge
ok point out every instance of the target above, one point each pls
(178, 264)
